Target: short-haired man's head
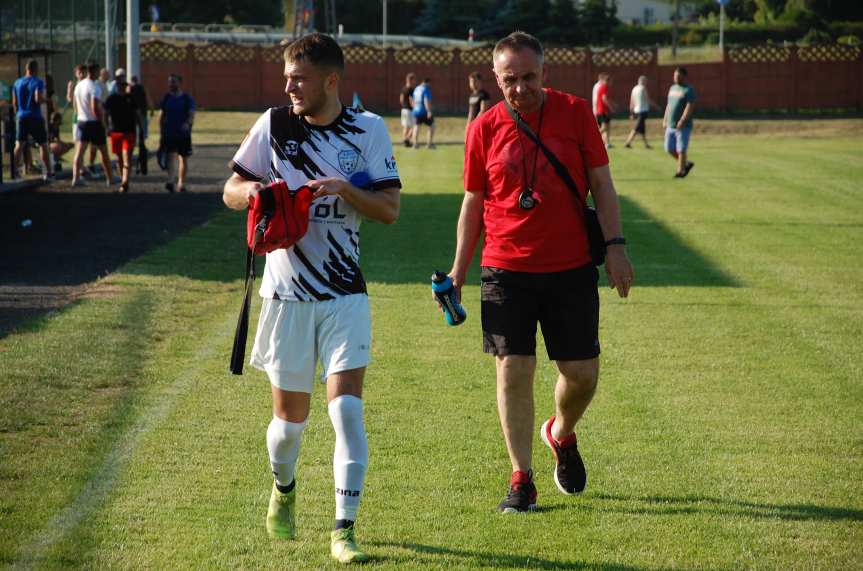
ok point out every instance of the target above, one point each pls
(604, 76)
(318, 49)
(642, 80)
(93, 69)
(476, 76)
(410, 78)
(426, 80)
(32, 66)
(518, 41)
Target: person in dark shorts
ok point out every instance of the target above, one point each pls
(536, 265)
(28, 95)
(143, 107)
(603, 107)
(422, 112)
(123, 112)
(176, 119)
(477, 103)
(639, 107)
(91, 125)
(406, 100)
(57, 146)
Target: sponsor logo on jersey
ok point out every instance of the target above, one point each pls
(348, 160)
(390, 164)
(291, 147)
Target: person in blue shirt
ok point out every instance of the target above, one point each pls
(423, 111)
(175, 119)
(28, 95)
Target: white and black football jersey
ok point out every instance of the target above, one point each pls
(356, 147)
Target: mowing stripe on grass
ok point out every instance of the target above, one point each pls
(97, 488)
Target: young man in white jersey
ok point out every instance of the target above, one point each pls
(315, 303)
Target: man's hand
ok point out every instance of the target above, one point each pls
(681, 124)
(329, 187)
(456, 284)
(619, 269)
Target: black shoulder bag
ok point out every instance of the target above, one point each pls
(595, 237)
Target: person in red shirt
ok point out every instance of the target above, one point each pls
(603, 107)
(536, 265)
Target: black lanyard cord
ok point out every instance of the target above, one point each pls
(529, 185)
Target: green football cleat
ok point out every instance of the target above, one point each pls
(343, 547)
(281, 517)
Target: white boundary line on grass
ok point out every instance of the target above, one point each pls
(32, 554)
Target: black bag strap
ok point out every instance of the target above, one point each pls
(238, 352)
(561, 170)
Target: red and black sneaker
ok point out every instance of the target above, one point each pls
(522, 494)
(570, 474)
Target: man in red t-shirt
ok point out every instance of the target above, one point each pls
(602, 107)
(536, 265)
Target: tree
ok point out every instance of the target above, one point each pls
(598, 21)
(563, 24)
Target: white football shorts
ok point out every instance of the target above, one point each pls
(408, 119)
(293, 335)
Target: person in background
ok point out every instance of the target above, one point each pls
(406, 100)
(477, 103)
(91, 123)
(677, 121)
(143, 107)
(603, 107)
(28, 95)
(639, 108)
(176, 117)
(123, 115)
(56, 145)
(423, 111)
(80, 75)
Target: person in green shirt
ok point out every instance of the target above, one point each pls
(677, 121)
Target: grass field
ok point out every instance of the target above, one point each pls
(726, 432)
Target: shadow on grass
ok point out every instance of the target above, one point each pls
(424, 240)
(670, 505)
(487, 559)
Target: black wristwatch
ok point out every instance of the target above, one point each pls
(615, 241)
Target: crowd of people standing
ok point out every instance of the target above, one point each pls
(105, 109)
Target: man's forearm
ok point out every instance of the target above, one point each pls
(605, 198)
(467, 234)
(237, 192)
(381, 205)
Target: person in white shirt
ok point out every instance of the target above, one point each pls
(315, 305)
(91, 124)
(639, 106)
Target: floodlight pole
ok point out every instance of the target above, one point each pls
(133, 52)
(109, 47)
(384, 36)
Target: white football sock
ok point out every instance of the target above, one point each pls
(351, 456)
(283, 444)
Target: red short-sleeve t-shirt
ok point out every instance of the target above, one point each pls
(600, 108)
(551, 236)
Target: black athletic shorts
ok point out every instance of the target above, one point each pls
(182, 145)
(33, 127)
(92, 132)
(639, 122)
(565, 303)
(424, 120)
(604, 118)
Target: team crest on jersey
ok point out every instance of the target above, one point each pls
(348, 160)
(291, 147)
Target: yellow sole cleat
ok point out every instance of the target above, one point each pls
(281, 518)
(343, 547)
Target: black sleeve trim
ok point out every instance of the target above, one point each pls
(244, 172)
(386, 183)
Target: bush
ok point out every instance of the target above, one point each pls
(815, 36)
(692, 37)
(735, 33)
